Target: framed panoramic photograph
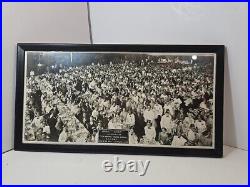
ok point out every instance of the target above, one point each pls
(122, 99)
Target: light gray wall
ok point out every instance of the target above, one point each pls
(187, 23)
(35, 22)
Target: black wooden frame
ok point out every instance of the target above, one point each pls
(218, 148)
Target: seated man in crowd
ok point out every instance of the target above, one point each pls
(150, 133)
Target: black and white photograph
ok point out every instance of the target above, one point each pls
(119, 98)
(131, 99)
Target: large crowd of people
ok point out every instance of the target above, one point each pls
(168, 103)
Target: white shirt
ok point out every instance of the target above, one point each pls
(191, 135)
(118, 125)
(123, 115)
(188, 101)
(148, 115)
(178, 141)
(92, 85)
(130, 119)
(166, 122)
(132, 139)
(150, 133)
(97, 137)
(95, 113)
(170, 108)
(46, 129)
(63, 137)
(37, 122)
(48, 108)
(111, 125)
(204, 106)
(158, 110)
